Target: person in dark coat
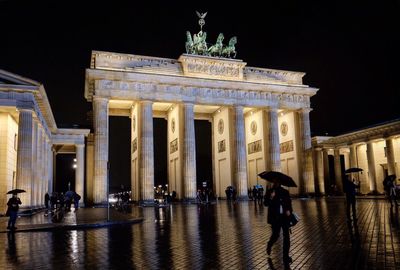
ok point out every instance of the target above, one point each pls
(13, 206)
(350, 189)
(46, 200)
(279, 209)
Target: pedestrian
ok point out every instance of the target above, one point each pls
(77, 197)
(12, 210)
(350, 191)
(279, 210)
(390, 189)
(46, 200)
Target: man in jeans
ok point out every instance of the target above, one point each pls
(279, 209)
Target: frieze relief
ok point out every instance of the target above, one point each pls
(289, 100)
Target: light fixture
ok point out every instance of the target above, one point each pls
(74, 166)
(74, 159)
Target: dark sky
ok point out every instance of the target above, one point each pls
(349, 50)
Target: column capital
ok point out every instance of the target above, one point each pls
(304, 110)
(319, 148)
(100, 98)
(389, 137)
(145, 102)
(271, 109)
(79, 145)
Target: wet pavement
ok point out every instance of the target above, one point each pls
(80, 219)
(220, 236)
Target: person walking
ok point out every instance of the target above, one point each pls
(46, 200)
(12, 210)
(279, 210)
(350, 191)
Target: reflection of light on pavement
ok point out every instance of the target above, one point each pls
(74, 245)
(113, 200)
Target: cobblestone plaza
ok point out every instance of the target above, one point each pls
(220, 236)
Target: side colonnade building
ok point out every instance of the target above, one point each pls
(259, 118)
(375, 149)
(30, 140)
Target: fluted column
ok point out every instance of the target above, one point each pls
(307, 178)
(39, 149)
(100, 117)
(146, 171)
(50, 168)
(320, 169)
(189, 152)
(79, 170)
(353, 157)
(326, 170)
(24, 156)
(240, 164)
(274, 154)
(371, 166)
(338, 170)
(390, 156)
(54, 161)
(35, 175)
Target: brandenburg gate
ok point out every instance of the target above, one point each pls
(260, 118)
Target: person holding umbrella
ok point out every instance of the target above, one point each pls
(279, 210)
(12, 210)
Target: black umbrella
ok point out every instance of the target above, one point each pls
(351, 170)
(16, 191)
(283, 179)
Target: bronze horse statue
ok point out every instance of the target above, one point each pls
(230, 49)
(189, 43)
(216, 50)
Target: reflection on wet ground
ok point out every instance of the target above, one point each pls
(220, 236)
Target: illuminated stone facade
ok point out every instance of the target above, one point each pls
(245, 105)
(376, 150)
(29, 139)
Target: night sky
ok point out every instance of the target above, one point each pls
(349, 50)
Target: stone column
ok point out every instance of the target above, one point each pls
(79, 170)
(100, 116)
(240, 164)
(390, 156)
(49, 167)
(54, 161)
(326, 170)
(353, 157)
(24, 156)
(39, 149)
(320, 169)
(35, 173)
(189, 152)
(371, 167)
(307, 178)
(274, 154)
(338, 170)
(146, 170)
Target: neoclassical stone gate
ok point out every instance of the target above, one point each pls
(260, 120)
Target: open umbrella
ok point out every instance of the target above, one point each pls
(16, 191)
(352, 170)
(283, 179)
